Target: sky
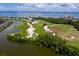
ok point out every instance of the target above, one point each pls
(40, 7)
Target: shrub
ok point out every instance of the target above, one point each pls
(56, 44)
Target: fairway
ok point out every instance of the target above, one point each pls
(65, 31)
(39, 27)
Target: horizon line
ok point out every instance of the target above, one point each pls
(40, 11)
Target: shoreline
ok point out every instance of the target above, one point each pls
(4, 17)
(5, 25)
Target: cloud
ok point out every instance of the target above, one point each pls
(49, 7)
(70, 6)
(41, 5)
(22, 7)
(56, 6)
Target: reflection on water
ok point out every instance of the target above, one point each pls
(9, 48)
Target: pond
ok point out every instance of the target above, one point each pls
(9, 48)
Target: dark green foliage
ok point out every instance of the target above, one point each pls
(55, 20)
(56, 44)
(11, 38)
(75, 24)
(16, 38)
(19, 38)
(60, 21)
(1, 21)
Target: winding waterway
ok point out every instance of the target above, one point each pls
(9, 48)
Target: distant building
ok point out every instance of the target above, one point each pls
(30, 18)
(67, 17)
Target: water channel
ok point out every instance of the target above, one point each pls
(13, 49)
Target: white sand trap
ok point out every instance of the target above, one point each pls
(48, 30)
(30, 31)
(34, 22)
(72, 37)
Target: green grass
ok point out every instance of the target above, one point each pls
(68, 30)
(64, 27)
(74, 43)
(23, 27)
(39, 27)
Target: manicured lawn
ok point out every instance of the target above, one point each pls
(74, 44)
(64, 27)
(65, 31)
(39, 27)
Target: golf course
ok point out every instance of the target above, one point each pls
(61, 38)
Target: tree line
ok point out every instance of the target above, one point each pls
(60, 21)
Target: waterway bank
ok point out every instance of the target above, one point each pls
(10, 48)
